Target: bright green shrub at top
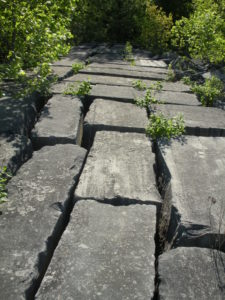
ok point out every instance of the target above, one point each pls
(203, 33)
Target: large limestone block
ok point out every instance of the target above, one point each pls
(153, 73)
(113, 115)
(14, 151)
(195, 172)
(199, 120)
(119, 165)
(106, 252)
(191, 273)
(61, 121)
(33, 218)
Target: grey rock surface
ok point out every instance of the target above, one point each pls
(119, 165)
(106, 252)
(61, 121)
(191, 273)
(199, 120)
(17, 116)
(195, 194)
(179, 98)
(153, 74)
(14, 151)
(113, 115)
(33, 216)
(124, 81)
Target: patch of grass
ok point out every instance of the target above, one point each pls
(149, 97)
(4, 177)
(160, 126)
(77, 67)
(82, 90)
(210, 91)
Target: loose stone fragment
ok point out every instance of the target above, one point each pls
(191, 273)
(33, 218)
(119, 165)
(61, 121)
(106, 252)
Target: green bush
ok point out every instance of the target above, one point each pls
(202, 35)
(82, 90)
(149, 98)
(210, 91)
(160, 126)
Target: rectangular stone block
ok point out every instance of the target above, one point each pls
(113, 115)
(153, 74)
(14, 151)
(194, 200)
(119, 165)
(33, 218)
(61, 121)
(179, 98)
(106, 252)
(199, 120)
(191, 273)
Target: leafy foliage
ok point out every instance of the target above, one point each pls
(4, 176)
(159, 126)
(171, 74)
(77, 67)
(139, 85)
(210, 91)
(202, 35)
(82, 90)
(149, 98)
(128, 53)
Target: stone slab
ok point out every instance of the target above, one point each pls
(199, 120)
(124, 81)
(113, 115)
(179, 98)
(119, 165)
(106, 252)
(61, 121)
(154, 74)
(14, 151)
(17, 116)
(191, 273)
(195, 195)
(126, 67)
(32, 219)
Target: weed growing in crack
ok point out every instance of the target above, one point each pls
(149, 98)
(160, 126)
(77, 67)
(139, 85)
(171, 74)
(128, 53)
(82, 90)
(4, 177)
(210, 91)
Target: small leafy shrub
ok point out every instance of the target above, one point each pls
(139, 85)
(159, 126)
(171, 74)
(82, 90)
(210, 91)
(186, 80)
(128, 53)
(4, 176)
(149, 97)
(77, 67)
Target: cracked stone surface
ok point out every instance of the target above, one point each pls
(61, 121)
(32, 217)
(106, 252)
(124, 169)
(196, 169)
(191, 273)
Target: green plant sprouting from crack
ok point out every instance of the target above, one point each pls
(77, 67)
(83, 89)
(128, 53)
(159, 126)
(171, 74)
(149, 98)
(139, 85)
(4, 177)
